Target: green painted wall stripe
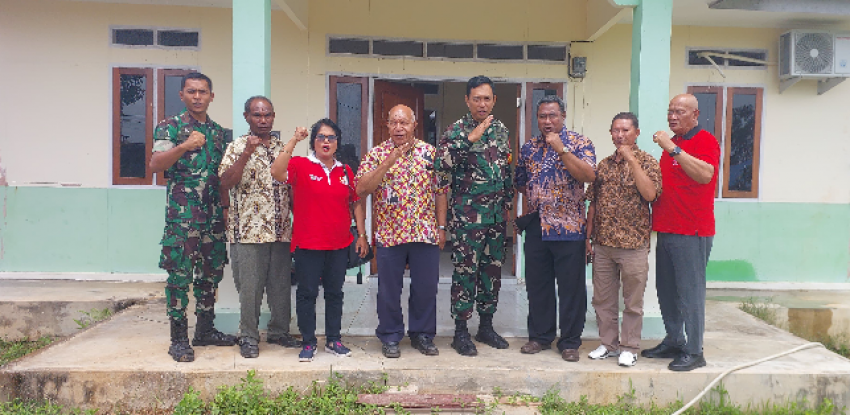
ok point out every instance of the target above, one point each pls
(82, 230)
(118, 231)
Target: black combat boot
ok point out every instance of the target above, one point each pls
(487, 335)
(207, 335)
(462, 342)
(180, 350)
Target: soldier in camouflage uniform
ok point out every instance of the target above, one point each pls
(189, 148)
(473, 157)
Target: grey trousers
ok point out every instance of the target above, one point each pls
(259, 268)
(680, 263)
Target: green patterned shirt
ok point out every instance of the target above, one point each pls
(193, 184)
(479, 173)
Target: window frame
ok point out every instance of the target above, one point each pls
(117, 179)
(155, 97)
(155, 44)
(726, 65)
(727, 142)
(724, 105)
(333, 80)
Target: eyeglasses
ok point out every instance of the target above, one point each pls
(323, 137)
(553, 117)
(402, 123)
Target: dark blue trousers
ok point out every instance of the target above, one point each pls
(312, 268)
(548, 263)
(424, 261)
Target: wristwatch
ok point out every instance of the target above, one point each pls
(565, 150)
(441, 227)
(362, 235)
(675, 151)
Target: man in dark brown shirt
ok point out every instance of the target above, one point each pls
(619, 226)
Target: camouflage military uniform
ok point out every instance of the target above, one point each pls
(482, 195)
(193, 244)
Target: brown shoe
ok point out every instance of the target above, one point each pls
(533, 347)
(570, 355)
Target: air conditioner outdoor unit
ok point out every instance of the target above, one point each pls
(814, 55)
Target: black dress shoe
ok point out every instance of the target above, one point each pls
(686, 362)
(662, 351)
(391, 350)
(424, 344)
(286, 340)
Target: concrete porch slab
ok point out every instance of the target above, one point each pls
(123, 363)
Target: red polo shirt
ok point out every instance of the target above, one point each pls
(321, 215)
(686, 207)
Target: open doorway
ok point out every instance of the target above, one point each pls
(437, 104)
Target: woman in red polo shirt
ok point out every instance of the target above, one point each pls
(323, 196)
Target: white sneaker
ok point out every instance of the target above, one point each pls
(602, 352)
(627, 359)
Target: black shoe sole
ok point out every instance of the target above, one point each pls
(183, 358)
(686, 368)
(493, 344)
(470, 353)
(213, 343)
(427, 352)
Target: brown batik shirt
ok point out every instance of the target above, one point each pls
(259, 204)
(622, 218)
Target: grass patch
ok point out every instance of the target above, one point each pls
(18, 407)
(92, 317)
(760, 308)
(337, 396)
(15, 349)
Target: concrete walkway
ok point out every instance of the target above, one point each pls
(123, 363)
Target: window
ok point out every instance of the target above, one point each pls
(349, 100)
(556, 53)
(156, 37)
(448, 50)
(727, 58)
(500, 52)
(398, 48)
(451, 50)
(733, 115)
(352, 46)
(141, 97)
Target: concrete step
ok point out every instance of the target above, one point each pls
(32, 309)
(123, 363)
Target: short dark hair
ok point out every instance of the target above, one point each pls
(477, 81)
(549, 99)
(195, 75)
(626, 116)
(254, 98)
(314, 130)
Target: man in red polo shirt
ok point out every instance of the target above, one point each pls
(683, 216)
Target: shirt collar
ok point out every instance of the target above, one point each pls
(692, 133)
(312, 157)
(187, 118)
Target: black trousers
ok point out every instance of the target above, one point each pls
(548, 262)
(312, 268)
(424, 261)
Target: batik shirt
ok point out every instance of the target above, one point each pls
(551, 189)
(622, 218)
(479, 174)
(259, 204)
(405, 200)
(192, 192)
